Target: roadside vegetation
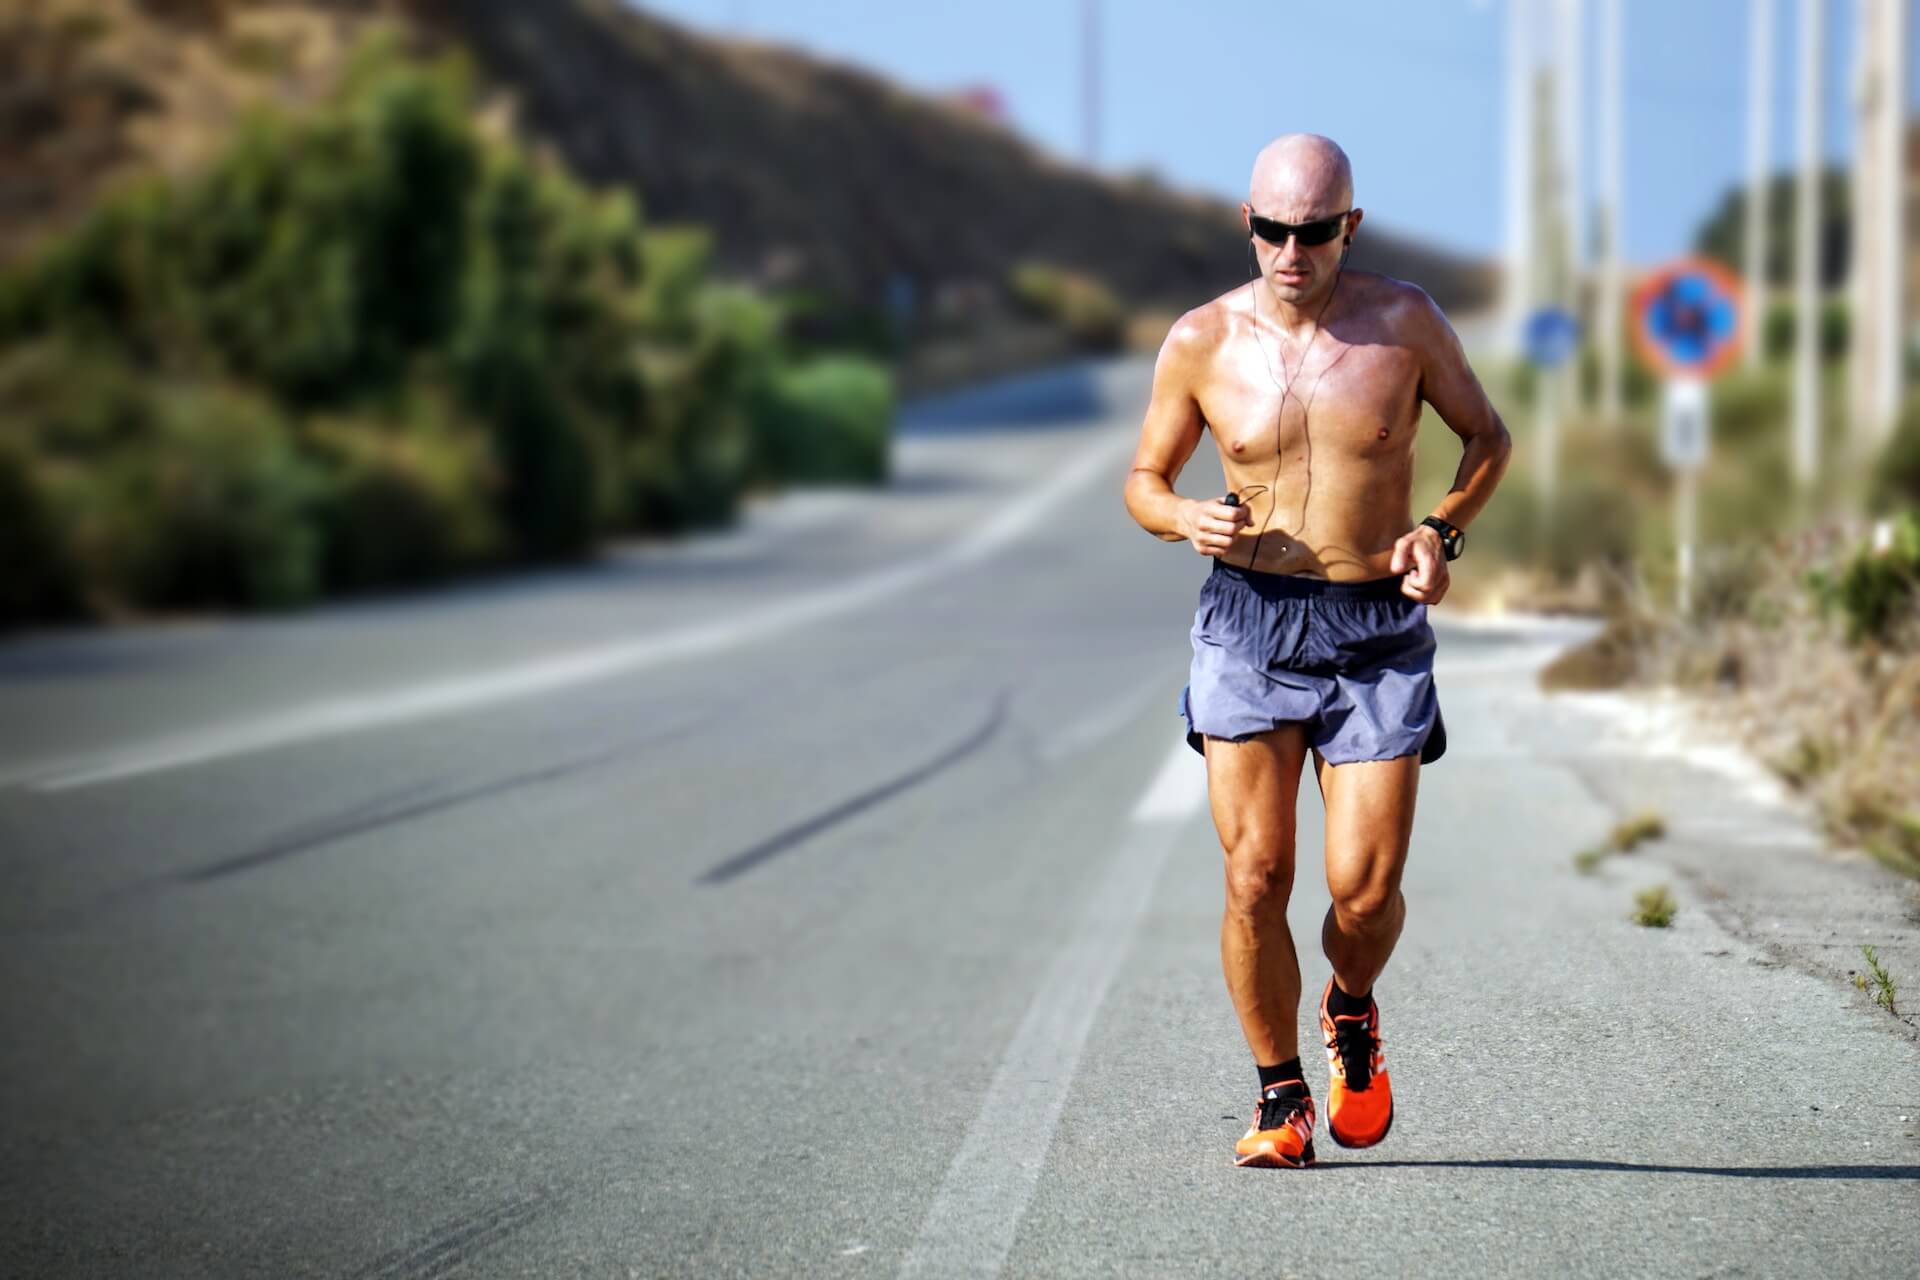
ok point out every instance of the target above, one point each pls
(380, 343)
(1654, 908)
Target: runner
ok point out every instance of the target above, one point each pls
(1311, 633)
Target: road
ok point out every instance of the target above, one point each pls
(836, 897)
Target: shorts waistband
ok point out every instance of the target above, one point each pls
(1297, 586)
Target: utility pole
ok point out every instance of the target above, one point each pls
(1879, 182)
(1090, 79)
(1612, 210)
(1520, 191)
(1806, 354)
(1573, 188)
(1759, 185)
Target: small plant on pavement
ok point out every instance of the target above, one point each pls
(1624, 837)
(1638, 829)
(1880, 984)
(1654, 908)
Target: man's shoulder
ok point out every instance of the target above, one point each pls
(1193, 339)
(1401, 302)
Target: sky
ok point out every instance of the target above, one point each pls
(1415, 90)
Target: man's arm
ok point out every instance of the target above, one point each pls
(1448, 383)
(1168, 438)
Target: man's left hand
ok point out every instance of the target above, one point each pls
(1421, 551)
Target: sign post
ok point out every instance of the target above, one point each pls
(1552, 337)
(1690, 319)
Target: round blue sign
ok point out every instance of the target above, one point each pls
(1552, 336)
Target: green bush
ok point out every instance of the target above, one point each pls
(1896, 476)
(214, 506)
(1086, 308)
(1779, 328)
(369, 346)
(828, 421)
(406, 505)
(1875, 588)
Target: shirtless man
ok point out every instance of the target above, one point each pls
(1311, 632)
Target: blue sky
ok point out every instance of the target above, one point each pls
(1413, 89)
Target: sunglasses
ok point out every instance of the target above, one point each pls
(1312, 233)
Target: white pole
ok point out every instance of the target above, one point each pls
(1613, 208)
(1090, 78)
(1868, 259)
(1806, 363)
(1759, 147)
(1519, 282)
(1683, 527)
(1892, 215)
(1573, 186)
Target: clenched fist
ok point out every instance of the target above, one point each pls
(1211, 526)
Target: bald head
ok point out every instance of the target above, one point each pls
(1300, 176)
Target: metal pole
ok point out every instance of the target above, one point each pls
(1806, 362)
(1892, 217)
(1613, 208)
(1520, 143)
(1573, 188)
(1090, 78)
(1683, 527)
(1759, 146)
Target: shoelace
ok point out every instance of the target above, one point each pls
(1278, 1108)
(1354, 1042)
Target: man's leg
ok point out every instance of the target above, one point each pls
(1252, 787)
(1369, 807)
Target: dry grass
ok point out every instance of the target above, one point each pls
(1654, 908)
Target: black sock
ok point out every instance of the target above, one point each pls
(1339, 1003)
(1288, 1070)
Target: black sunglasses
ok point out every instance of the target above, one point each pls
(1312, 233)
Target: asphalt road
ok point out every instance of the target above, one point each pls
(836, 897)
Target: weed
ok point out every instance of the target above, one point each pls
(1637, 829)
(1654, 908)
(1881, 985)
(1588, 861)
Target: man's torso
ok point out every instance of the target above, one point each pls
(1344, 435)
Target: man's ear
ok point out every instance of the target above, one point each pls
(1353, 222)
(1246, 217)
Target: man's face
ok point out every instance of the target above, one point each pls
(1299, 274)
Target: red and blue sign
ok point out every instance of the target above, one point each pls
(1689, 318)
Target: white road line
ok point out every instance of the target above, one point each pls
(970, 1227)
(1178, 789)
(462, 693)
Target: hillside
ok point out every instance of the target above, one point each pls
(810, 173)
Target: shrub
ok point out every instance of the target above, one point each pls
(213, 506)
(1086, 308)
(828, 421)
(1896, 481)
(1875, 587)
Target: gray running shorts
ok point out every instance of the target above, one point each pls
(1352, 660)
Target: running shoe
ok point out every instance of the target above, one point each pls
(1281, 1136)
(1359, 1096)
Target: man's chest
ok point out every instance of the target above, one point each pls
(1349, 398)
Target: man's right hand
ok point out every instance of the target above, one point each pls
(1211, 526)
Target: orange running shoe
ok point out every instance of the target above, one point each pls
(1359, 1096)
(1281, 1136)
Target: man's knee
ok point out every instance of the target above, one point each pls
(1366, 900)
(1259, 875)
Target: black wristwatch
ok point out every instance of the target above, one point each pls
(1452, 540)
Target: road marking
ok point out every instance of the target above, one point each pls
(1178, 789)
(353, 714)
(970, 1227)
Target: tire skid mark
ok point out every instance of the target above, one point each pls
(457, 1243)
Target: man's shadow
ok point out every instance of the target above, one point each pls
(1858, 1172)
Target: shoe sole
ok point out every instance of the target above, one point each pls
(1274, 1160)
(1360, 1146)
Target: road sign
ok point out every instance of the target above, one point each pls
(1684, 423)
(1689, 318)
(1552, 336)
